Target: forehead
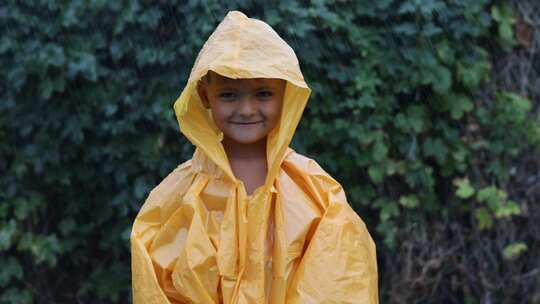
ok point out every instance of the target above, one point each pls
(226, 81)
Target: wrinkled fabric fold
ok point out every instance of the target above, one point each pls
(200, 238)
(299, 243)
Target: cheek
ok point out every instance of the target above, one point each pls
(273, 113)
(220, 113)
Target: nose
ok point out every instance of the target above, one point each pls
(247, 107)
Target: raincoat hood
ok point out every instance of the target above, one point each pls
(199, 238)
(241, 47)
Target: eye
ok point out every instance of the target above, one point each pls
(265, 94)
(227, 96)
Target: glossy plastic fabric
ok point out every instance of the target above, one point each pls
(199, 238)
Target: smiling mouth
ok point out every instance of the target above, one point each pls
(246, 123)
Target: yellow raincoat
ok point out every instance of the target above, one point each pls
(199, 238)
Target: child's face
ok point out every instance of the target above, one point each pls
(245, 110)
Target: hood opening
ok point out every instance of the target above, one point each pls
(241, 47)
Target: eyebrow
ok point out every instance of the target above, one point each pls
(227, 87)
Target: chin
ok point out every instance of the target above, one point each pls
(247, 140)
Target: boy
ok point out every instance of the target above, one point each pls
(247, 219)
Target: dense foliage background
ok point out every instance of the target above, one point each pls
(425, 110)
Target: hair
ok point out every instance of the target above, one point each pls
(207, 77)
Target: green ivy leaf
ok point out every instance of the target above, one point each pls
(445, 53)
(441, 79)
(376, 172)
(514, 250)
(483, 218)
(507, 210)
(459, 104)
(493, 197)
(464, 188)
(435, 147)
(409, 201)
(380, 150)
(15, 295)
(417, 116)
(472, 75)
(7, 234)
(512, 108)
(389, 230)
(10, 269)
(504, 16)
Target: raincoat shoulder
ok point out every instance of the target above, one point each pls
(339, 264)
(162, 201)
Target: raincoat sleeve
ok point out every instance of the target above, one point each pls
(339, 264)
(149, 286)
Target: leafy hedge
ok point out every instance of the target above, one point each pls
(405, 113)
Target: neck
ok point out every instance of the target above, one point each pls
(236, 150)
